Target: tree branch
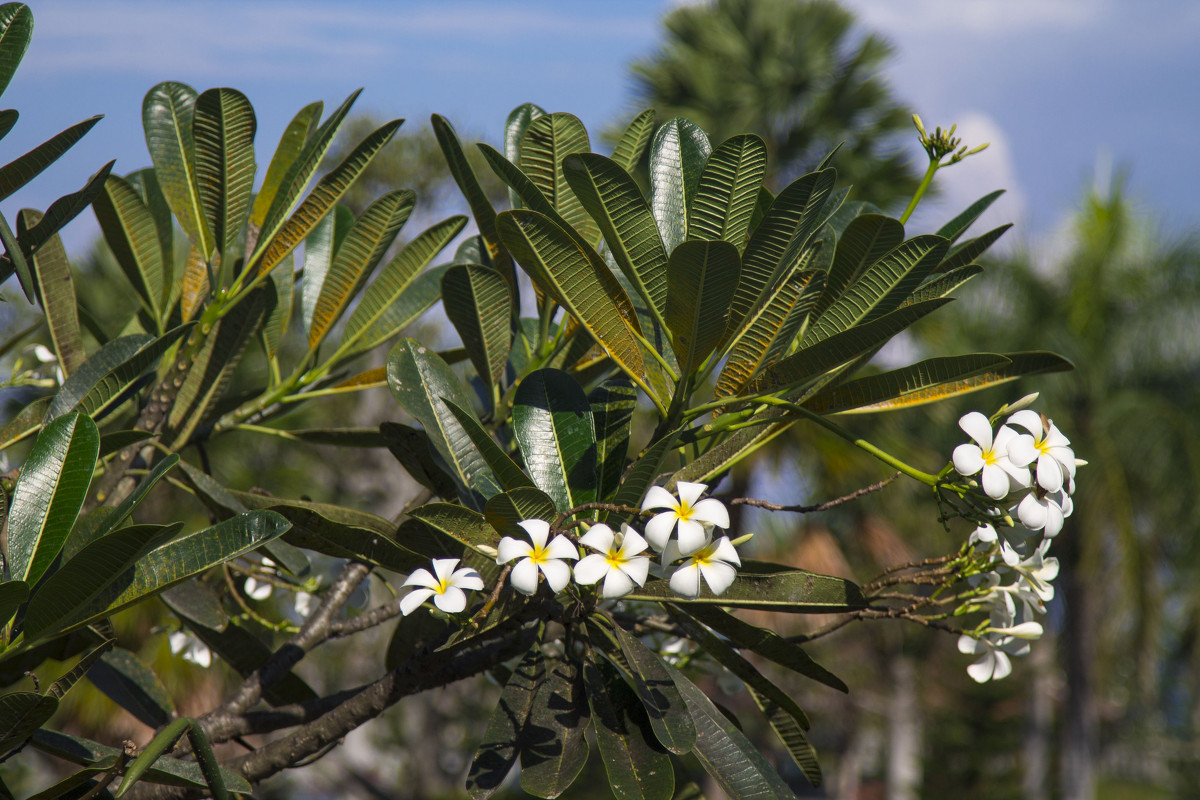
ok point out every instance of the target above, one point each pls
(828, 504)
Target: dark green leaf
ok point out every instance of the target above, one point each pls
(728, 190)
(223, 130)
(637, 766)
(415, 300)
(414, 451)
(633, 141)
(56, 292)
(132, 685)
(62, 211)
(498, 751)
(942, 284)
(22, 713)
(478, 302)
(677, 156)
(553, 748)
(319, 248)
(506, 509)
(197, 602)
(656, 689)
(963, 254)
(468, 184)
(507, 471)
(12, 595)
(867, 239)
(167, 114)
(16, 29)
(291, 144)
(461, 524)
(49, 494)
(23, 169)
(770, 587)
(547, 140)
(958, 226)
(701, 278)
(145, 182)
(24, 423)
(613, 403)
(552, 423)
(791, 733)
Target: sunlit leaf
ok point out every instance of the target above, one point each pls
(728, 190)
(701, 278)
(552, 423)
(168, 111)
(632, 144)
(223, 129)
(478, 302)
(677, 156)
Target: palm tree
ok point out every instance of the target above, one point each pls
(798, 74)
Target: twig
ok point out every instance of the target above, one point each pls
(828, 504)
(368, 619)
(616, 508)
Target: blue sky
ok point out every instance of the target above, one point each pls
(1057, 87)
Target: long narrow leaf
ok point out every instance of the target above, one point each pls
(701, 279)
(728, 190)
(478, 303)
(132, 235)
(23, 169)
(223, 130)
(56, 293)
(167, 114)
(552, 423)
(677, 156)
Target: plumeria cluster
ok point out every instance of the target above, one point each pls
(682, 533)
(1026, 470)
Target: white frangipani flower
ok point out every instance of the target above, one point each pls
(993, 662)
(537, 556)
(256, 589)
(715, 562)
(190, 648)
(1041, 514)
(989, 454)
(1045, 445)
(445, 585)
(689, 513)
(1037, 571)
(619, 565)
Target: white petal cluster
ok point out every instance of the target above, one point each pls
(446, 585)
(190, 649)
(620, 563)
(1029, 458)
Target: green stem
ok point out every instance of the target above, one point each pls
(925, 181)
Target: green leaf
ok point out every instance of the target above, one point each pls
(23, 169)
(882, 287)
(613, 403)
(461, 524)
(468, 184)
(16, 260)
(319, 249)
(507, 471)
(811, 362)
(501, 742)
(652, 680)
(637, 766)
(792, 735)
(395, 279)
(934, 379)
(180, 559)
(770, 329)
(479, 305)
(677, 156)
(358, 255)
(60, 212)
(506, 509)
(553, 748)
(417, 298)
(420, 379)
(12, 595)
(291, 145)
(580, 280)
(765, 643)
(196, 602)
(25, 422)
(22, 713)
(736, 764)
(415, 452)
(322, 199)
(728, 190)
(514, 128)
(642, 474)
(223, 130)
(546, 142)
(55, 287)
(245, 653)
(715, 647)
(632, 144)
(701, 278)
(793, 216)
(105, 380)
(280, 290)
(942, 284)
(168, 111)
(867, 239)
(552, 423)
(300, 173)
(145, 182)
(132, 685)
(99, 567)
(770, 587)
(121, 512)
(616, 203)
(8, 118)
(963, 254)
(414, 634)
(132, 235)
(16, 29)
(49, 494)
(958, 226)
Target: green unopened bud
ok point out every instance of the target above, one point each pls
(741, 540)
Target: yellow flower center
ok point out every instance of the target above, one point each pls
(990, 457)
(441, 587)
(705, 556)
(684, 511)
(537, 555)
(614, 558)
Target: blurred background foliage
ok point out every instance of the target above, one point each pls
(1108, 706)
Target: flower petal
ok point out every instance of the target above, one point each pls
(1022, 451)
(632, 542)
(617, 584)
(510, 548)
(600, 537)
(967, 458)
(637, 569)
(524, 576)
(685, 581)
(1049, 474)
(692, 537)
(466, 578)
(711, 510)
(718, 575)
(558, 574)
(1032, 512)
(725, 551)
(995, 481)
(1028, 419)
(538, 530)
(591, 569)
(413, 600)
(981, 670)
(561, 547)
(689, 492)
(1003, 666)
(443, 568)
(968, 644)
(976, 426)
(658, 529)
(452, 601)
(658, 497)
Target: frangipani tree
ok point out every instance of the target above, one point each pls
(566, 540)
